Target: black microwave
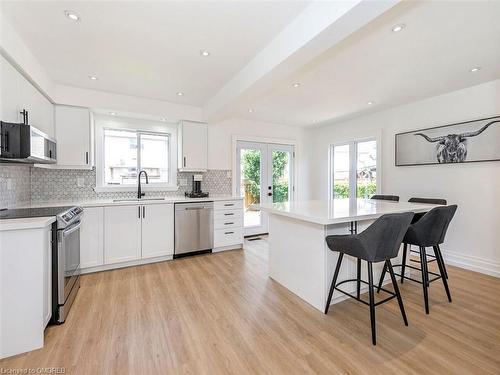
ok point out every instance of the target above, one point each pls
(26, 144)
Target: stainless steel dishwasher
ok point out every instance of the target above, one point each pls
(194, 228)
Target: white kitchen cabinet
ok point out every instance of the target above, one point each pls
(9, 90)
(228, 225)
(122, 239)
(92, 237)
(193, 146)
(47, 278)
(157, 230)
(74, 137)
(17, 93)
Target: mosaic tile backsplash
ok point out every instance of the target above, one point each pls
(61, 184)
(15, 185)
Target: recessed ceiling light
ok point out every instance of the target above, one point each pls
(205, 53)
(398, 28)
(296, 84)
(250, 110)
(93, 78)
(475, 69)
(71, 15)
(163, 119)
(180, 93)
(112, 113)
(369, 103)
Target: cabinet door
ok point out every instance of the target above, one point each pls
(122, 239)
(157, 230)
(194, 146)
(73, 136)
(9, 92)
(40, 110)
(47, 278)
(91, 237)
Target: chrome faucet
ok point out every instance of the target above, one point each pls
(140, 194)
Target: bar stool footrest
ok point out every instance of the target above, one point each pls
(438, 276)
(392, 294)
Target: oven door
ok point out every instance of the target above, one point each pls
(68, 248)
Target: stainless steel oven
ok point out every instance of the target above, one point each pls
(66, 262)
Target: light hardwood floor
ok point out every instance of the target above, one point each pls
(220, 313)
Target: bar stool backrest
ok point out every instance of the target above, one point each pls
(383, 238)
(428, 200)
(381, 197)
(431, 229)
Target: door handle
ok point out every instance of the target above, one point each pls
(269, 194)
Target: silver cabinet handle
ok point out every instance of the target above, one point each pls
(228, 232)
(184, 161)
(229, 214)
(87, 158)
(228, 223)
(143, 212)
(229, 204)
(139, 207)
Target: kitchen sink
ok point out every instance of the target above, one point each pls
(138, 200)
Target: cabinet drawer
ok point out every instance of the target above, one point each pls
(229, 236)
(228, 205)
(235, 222)
(227, 214)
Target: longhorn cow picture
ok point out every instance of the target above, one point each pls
(477, 140)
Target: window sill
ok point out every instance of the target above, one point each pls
(144, 187)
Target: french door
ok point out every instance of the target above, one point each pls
(264, 174)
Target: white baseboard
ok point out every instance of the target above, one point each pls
(473, 263)
(108, 267)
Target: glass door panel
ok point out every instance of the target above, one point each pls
(366, 168)
(281, 169)
(341, 171)
(250, 184)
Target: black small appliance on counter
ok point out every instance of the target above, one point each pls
(196, 192)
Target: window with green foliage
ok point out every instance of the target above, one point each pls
(354, 169)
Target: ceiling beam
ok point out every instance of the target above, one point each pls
(318, 28)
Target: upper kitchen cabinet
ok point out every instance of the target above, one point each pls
(74, 137)
(18, 94)
(192, 148)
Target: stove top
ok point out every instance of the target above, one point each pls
(196, 195)
(21, 213)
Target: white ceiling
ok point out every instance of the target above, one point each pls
(442, 41)
(152, 50)
(148, 49)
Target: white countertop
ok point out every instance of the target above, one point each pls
(26, 223)
(338, 211)
(111, 202)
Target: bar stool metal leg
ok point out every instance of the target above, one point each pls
(382, 276)
(396, 290)
(425, 276)
(442, 260)
(403, 263)
(334, 281)
(372, 302)
(358, 283)
(442, 271)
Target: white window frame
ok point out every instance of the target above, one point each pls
(102, 122)
(353, 153)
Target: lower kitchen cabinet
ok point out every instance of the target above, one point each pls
(122, 234)
(92, 237)
(157, 230)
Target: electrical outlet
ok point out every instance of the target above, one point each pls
(80, 181)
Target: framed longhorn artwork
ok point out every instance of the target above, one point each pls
(463, 142)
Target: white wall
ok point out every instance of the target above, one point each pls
(473, 239)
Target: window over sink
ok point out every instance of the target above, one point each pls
(124, 147)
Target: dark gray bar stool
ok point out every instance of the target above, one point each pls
(377, 243)
(429, 231)
(430, 257)
(381, 197)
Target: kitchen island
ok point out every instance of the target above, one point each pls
(299, 258)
